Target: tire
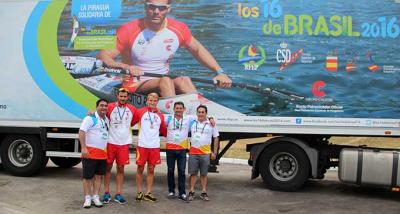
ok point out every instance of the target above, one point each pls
(284, 167)
(65, 162)
(22, 155)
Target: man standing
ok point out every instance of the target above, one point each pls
(149, 44)
(121, 116)
(200, 150)
(177, 144)
(151, 125)
(93, 136)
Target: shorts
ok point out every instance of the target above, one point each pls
(119, 153)
(91, 167)
(198, 162)
(150, 156)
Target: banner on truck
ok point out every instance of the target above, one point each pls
(287, 59)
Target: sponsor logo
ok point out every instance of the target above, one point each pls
(283, 54)
(317, 88)
(251, 57)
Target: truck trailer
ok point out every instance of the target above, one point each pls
(302, 72)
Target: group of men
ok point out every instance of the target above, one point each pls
(105, 137)
(147, 45)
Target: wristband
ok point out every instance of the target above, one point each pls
(220, 71)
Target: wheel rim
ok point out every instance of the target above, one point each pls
(20, 153)
(283, 166)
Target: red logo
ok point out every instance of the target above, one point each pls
(168, 104)
(168, 41)
(168, 47)
(317, 88)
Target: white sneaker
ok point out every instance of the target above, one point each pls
(96, 201)
(88, 202)
(171, 195)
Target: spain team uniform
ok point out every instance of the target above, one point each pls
(121, 121)
(151, 51)
(151, 124)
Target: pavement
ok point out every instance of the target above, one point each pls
(57, 190)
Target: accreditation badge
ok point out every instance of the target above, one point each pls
(177, 137)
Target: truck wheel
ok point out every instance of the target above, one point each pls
(284, 166)
(22, 155)
(65, 162)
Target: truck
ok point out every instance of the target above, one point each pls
(301, 74)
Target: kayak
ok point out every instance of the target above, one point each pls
(106, 86)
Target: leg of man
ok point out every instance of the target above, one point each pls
(171, 157)
(203, 181)
(193, 171)
(150, 177)
(181, 162)
(107, 178)
(97, 184)
(184, 85)
(120, 178)
(87, 186)
(139, 178)
(164, 86)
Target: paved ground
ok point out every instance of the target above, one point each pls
(58, 190)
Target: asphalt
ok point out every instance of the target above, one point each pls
(57, 190)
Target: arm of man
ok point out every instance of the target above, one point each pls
(82, 140)
(202, 55)
(215, 149)
(108, 58)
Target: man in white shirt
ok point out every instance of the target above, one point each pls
(93, 136)
(200, 151)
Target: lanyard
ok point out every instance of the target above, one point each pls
(151, 121)
(203, 127)
(119, 114)
(103, 124)
(179, 126)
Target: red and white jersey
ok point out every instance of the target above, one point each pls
(177, 132)
(151, 124)
(202, 133)
(96, 130)
(149, 50)
(121, 121)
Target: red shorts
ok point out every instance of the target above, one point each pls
(119, 153)
(150, 156)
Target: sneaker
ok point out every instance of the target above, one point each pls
(171, 195)
(184, 198)
(204, 196)
(106, 198)
(96, 201)
(149, 197)
(139, 196)
(88, 202)
(119, 199)
(191, 196)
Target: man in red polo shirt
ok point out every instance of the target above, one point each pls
(151, 124)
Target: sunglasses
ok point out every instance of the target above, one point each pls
(160, 7)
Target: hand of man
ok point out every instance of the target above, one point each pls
(134, 70)
(213, 156)
(223, 81)
(84, 152)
